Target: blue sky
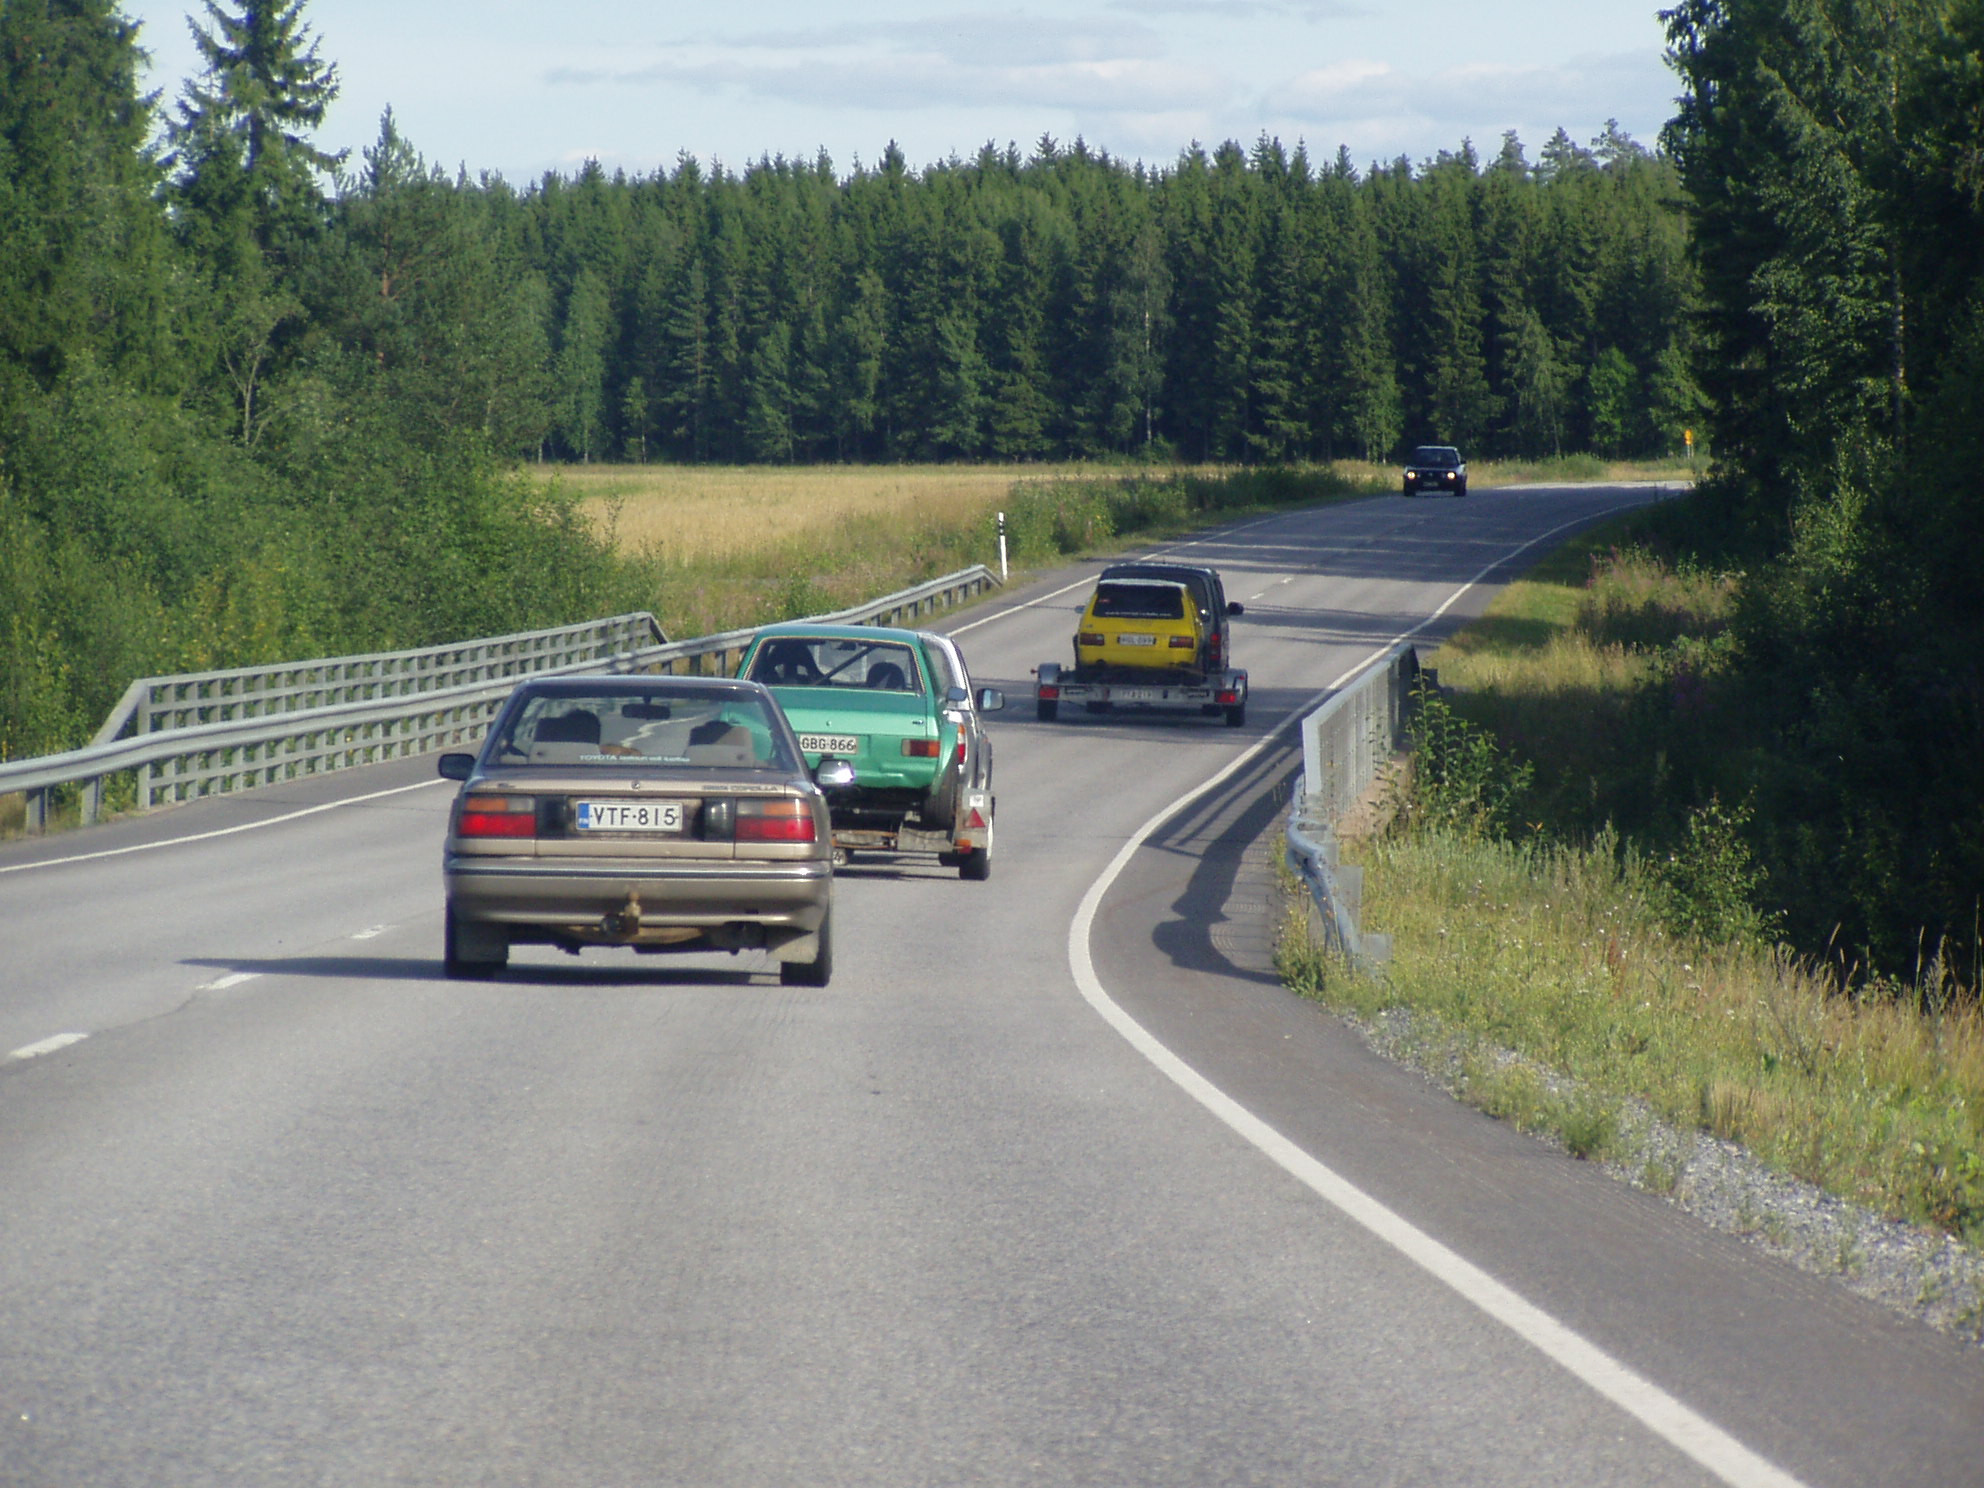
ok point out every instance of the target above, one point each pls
(521, 87)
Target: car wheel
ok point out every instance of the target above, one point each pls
(1461, 489)
(1048, 711)
(470, 951)
(1405, 490)
(1236, 715)
(818, 971)
(976, 865)
(1099, 705)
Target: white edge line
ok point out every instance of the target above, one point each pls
(118, 852)
(47, 1046)
(1669, 1419)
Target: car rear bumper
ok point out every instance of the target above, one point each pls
(685, 895)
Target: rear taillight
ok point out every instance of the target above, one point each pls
(1180, 643)
(1088, 638)
(784, 820)
(922, 748)
(1049, 693)
(497, 816)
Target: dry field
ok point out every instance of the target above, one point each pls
(692, 514)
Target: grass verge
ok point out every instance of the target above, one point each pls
(1589, 946)
(1561, 957)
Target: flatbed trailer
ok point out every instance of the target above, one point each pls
(967, 845)
(1222, 692)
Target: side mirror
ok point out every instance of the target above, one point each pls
(990, 700)
(456, 766)
(956, 695)
(1234, 607)
(833, 774)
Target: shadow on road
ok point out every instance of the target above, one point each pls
(590, 970)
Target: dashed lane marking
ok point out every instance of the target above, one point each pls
(232, 979)
(47, 1046)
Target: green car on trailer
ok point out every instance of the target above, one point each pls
(897, 705)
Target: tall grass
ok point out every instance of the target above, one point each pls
(1563, 884)
(1561, 954)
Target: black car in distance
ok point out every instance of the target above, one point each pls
(1436, 468)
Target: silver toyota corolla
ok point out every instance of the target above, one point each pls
(660, 813)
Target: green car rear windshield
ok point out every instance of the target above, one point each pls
(614, 728)
(830, 661)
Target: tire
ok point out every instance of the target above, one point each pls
(1048, 711)
(1461, 489)
(817, 972)
(975, 866)
(1406, 490)
(1236, 715)
(472, 952)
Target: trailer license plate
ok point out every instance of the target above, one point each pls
(841, 744)
(1137, 694)
(630, 816)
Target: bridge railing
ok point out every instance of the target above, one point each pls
(200, 733)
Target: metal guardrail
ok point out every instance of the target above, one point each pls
(1345, 743)
(208, 732)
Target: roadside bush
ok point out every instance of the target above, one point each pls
(1460, 780)
(1707, 887)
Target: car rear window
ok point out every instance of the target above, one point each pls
(614, 728)
(833, 661)
(1129, 601)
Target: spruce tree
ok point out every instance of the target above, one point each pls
(240, 144)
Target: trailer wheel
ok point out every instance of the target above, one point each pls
(1048, 710)
(1236, 715)
(976, 865)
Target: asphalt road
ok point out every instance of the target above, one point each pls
(1052, 1185)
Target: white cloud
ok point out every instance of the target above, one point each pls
(1481, 99)
(954, 75)
(1248, 10)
